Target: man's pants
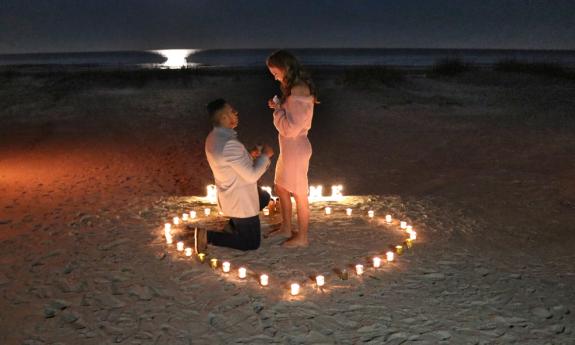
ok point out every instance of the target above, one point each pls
(245, 233)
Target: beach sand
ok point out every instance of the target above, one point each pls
(92, 164)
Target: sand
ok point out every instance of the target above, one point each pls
(481, 165)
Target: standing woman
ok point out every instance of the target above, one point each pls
(293, 114)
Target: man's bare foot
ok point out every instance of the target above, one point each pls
(296, 241)
(281, 231)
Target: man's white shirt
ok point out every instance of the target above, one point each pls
(235, 173)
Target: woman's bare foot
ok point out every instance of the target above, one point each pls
(296, 241)
(283, 231)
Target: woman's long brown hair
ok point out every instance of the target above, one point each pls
(294, 73)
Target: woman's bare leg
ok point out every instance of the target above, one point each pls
(286, 211)
(300, 239)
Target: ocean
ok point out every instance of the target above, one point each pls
(177, 58)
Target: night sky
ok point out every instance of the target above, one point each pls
(100, 25)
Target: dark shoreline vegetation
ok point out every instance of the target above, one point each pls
(514, 76)
(352, 75)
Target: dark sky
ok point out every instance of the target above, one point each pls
(97, 25)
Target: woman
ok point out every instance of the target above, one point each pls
(293, 114)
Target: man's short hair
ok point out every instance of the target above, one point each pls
(214, 108)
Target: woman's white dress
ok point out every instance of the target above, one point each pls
(293, 121)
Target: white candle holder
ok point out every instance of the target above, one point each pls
(403, 224)
(207, 211)
(320, 280)
(188, 251)
(408, 229)
(226, 266)
(176, 220)
(413, 235)
(328, 210)
(185, 217)
(180, 246)
(348, 211)
(193, 214)
(266, 211)
(169, 239)
(359, 269)
(388, 219)
(242, 272)
(294, 289)
(212, 193)
(390, 256)
(370, 213)
(264, 280)
(376, 262)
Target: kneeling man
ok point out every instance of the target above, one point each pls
(236, 173)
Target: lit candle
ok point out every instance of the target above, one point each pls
(169, 239)
(202, 257)
(188, 251)
(370, 213)
(348, 211)
(359, 269)
(167, 228)
(408, 243)
(266, 211)
(408, 229)
(214, 263)
(225, 266)
(264, 280)
(388, 218)
(403, 224)
(207, 211)
(242, 272)
(185, 217)
(212, 193)
(399, 249)
(294, 289)
(320, 280)
(376, 262)
(180, 246)
(390, 256)
(412, 235)
(193, 214)
(176, 221)
(328, 210)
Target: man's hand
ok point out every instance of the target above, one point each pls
(268, 151)
(255, 152)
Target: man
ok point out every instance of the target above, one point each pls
(236, 173)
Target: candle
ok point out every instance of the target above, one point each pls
(320, 280)
(225, 266)
(214, 263)
(328, 210)
(370, 213)
(167, 228)
(207, 211)
(202, 257)
(188, 251)
(390, 256)
(242, 272)
(169, 239)
(336, 192)
(344, 275)
(408, 229)
(388, 218)
(176, 221)
(348, 211)
(294, 289)
(359, 269)
(412, 235)
(193, 214)
(212, 193)
(376, 262)
(180, 246)
(408, 243)
(264, 280)
(399, 249)
(403, 224)
(266, 211)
